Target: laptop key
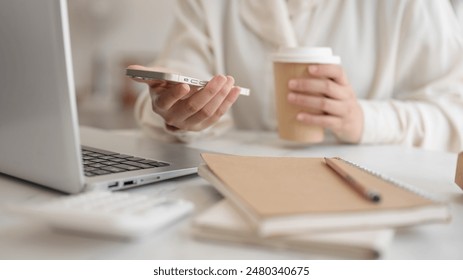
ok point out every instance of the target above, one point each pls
(118, 159)
(154, 163)
(109, 162)
(113, 169)
(89, 150)
(101, 172)
(127, 167)
(97, 165)
(122, 156)
(96, 160)
(89, 169)
(159, 164)
(107, 157)
(137, 164)
(95, 155)
(147, 161)
(136, 159)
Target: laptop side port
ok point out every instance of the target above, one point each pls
(113, 185)
(129, 183)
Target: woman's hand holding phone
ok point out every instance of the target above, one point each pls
(191, 108)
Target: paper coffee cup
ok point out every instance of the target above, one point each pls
(290, 63)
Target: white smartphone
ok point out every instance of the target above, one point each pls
(174, 78)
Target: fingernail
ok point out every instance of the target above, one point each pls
(313, 68)
(292, 83)
(299, 117)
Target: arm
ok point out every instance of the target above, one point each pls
(426, 106)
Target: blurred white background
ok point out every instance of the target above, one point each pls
(106, 36)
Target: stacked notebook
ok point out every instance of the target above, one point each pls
(301, 203)
(223, 222)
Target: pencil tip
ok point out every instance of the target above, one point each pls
(375, 197)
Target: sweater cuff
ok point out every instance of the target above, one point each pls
(215, 130)
(380, 124)
(186, 136)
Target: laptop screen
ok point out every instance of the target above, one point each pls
(38, 120)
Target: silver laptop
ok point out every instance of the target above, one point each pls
(39, 132)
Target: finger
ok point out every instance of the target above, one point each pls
(325, 121)
(326, 87)
(164, 99)
(318, 103)
(329, 71)
(190, 106)
(223, 108)
(210, 109)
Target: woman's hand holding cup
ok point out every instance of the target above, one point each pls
(326, 90)
(312, 94)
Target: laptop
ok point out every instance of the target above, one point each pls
(40, 140)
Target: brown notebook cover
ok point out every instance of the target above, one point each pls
(283, 195)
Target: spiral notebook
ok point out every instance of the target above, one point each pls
(287, 195)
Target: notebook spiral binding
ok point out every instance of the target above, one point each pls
(395, 182)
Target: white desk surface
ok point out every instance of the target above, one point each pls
(432, 171)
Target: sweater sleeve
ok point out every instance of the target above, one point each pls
(426, 108)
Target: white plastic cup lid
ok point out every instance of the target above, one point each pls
(322, 55)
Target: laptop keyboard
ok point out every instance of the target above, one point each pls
(100, 162)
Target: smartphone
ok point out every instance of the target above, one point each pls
(174, 78)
